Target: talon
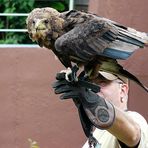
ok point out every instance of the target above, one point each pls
(66, 70)
(71, 74)
(68, 74)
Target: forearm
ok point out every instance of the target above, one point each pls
(100, 112)
(106, 116)
(125, 129)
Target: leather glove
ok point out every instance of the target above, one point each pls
(99, 111)
(85, 122)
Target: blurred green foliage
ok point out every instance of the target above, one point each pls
(19, 22)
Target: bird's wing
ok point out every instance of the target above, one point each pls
(86, 40)
(99, 37)
(99, 41)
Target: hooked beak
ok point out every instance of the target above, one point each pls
(39, 25)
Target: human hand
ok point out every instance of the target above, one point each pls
(73, 90)
(99, 111)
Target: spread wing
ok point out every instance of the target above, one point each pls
(99, 37)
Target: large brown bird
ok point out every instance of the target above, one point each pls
(85, 39)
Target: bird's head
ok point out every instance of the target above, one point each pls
(44, 25)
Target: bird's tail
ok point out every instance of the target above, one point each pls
(130, 76)
(113, 67)
(134, 78)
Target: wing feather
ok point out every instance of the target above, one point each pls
(87, 40)
(100, 37)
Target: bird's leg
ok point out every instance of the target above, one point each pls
(82, 79)
(71, 73)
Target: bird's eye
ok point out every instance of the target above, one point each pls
(33, 22)
(46, 21)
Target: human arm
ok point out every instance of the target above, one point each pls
(125, 129)
(111, 118)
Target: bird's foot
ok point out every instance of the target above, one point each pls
(71, 73)
(82, 79)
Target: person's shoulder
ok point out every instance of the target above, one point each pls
(137, 117)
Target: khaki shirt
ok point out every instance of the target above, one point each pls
(107, 140)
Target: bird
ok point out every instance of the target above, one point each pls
(90, 41)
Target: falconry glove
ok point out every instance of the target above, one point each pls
(88, 103)
(99, 111)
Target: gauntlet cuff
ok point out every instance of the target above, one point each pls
(101, 114)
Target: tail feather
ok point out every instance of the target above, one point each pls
(134, 78)
(130, 76)
(113, 67)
